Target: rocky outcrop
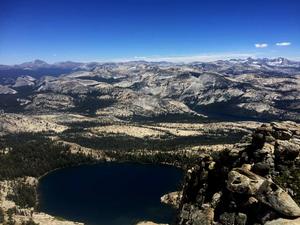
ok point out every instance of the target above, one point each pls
(243, 181)
(172, 198)
(247, 184)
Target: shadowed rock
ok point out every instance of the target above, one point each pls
(243, 181)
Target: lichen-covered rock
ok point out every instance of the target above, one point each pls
(244, 181)
(274, 196)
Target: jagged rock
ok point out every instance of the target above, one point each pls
(216, 198)
(270, 139)
(285, 135)
(197, 177)
(258, 140)
(211, 165)
(192, 215)
(268, 216)
(245, 182)
(240, 185)
(274, 196)
(173, 199)
(240, 219)
(227, 218)
(235, 152)
(267, 149)
(295, 140)
(184, 212)
(264, 158)
(282, 221)
(285, 126)
(252, 200)
(263, 168)
(265, 128)
(286, 150)
(203, 217)
(23, 212)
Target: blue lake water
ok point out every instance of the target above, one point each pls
(110, 193)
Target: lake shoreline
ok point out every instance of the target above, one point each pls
(125, 166)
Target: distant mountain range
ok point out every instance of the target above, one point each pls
(39, 67)
(263, 89)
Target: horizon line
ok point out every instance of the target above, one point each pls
(184, 59)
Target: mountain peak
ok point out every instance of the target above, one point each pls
(38, 61)
(35, 63)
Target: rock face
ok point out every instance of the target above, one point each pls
(243, 181)
(247, 184)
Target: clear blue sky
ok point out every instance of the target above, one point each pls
(103, 30)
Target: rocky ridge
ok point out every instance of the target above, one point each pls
(265, 89)
(247, 184)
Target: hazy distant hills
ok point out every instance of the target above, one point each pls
(39, 68)
(264, 89)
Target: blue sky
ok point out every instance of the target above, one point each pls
(113, 30)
